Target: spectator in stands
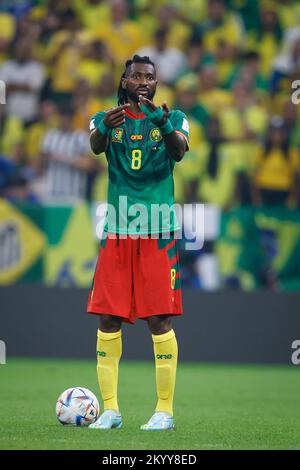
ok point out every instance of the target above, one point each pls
(248, 10)
(30, 29)
(187, 175)
(11, 131)
(288, 12)
(266, 39)
(85, 103)
(7, 32)
(17, 175)
(105, 91)
(245, 118)
(248, 70)
(211, 95)
(35, 133)
(24, 78)
(63, 55)
(170, 61)
(223, 36)
(196, 55)
(87, 100)
(65, 154)
(287, 64)
(168, 19)
(123, 35)
(277, 166)
(217, 179)
(92, 13)
(221, 28)
(95, 62)
(186, 99)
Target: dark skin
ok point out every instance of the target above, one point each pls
(158, 324)
(140, 84)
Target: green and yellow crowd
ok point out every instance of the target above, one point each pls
(237, 61)
(233, 66)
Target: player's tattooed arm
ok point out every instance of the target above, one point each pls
(113, 118)
(175, 143)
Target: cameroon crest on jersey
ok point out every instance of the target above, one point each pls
(155, 135)
(117, 134)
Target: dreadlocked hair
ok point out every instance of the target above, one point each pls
(137, 59)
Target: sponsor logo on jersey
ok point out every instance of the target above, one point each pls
(101, 353)
(155, 135)
(136, 137)
(117, 134)
(164, 356)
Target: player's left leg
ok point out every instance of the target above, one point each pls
(166, 354)
(157, 297)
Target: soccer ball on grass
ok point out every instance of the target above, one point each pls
(77, 406)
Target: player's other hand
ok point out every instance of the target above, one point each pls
(165, 109)
(116, 116)
(149, 104)
(151, 107)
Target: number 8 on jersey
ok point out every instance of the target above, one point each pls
(136, 159)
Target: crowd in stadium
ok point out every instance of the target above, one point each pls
(232, 66)
(228, 64)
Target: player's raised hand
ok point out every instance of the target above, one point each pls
(149, 104)
(116, 116)
(151, 108)
(165, 109)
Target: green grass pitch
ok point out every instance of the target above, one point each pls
(216, 407)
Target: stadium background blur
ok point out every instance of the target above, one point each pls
(228, 64)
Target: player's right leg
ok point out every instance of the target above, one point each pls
(109, 351)
(111, 298)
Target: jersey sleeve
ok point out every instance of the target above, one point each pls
(95, 120)
(180, 124)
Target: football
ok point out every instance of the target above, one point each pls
(77, 406)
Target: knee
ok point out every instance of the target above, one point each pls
(159, 324)
(109, 323)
